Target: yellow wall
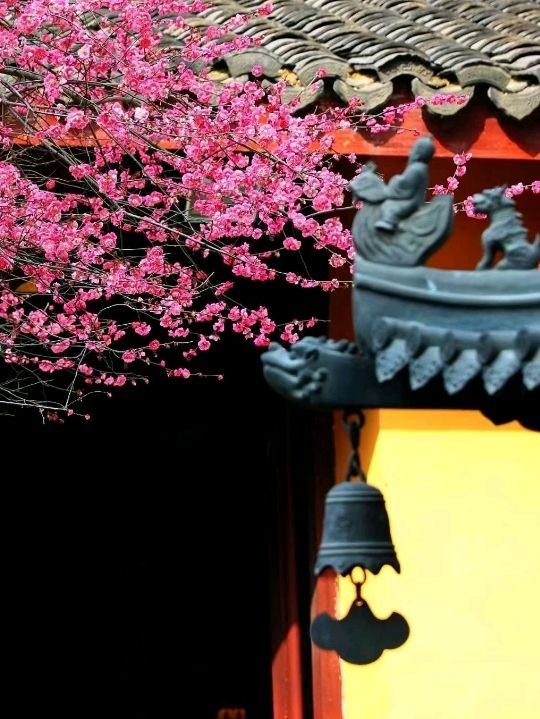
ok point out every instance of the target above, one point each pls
(464, 503)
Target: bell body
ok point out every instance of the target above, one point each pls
(356, 530)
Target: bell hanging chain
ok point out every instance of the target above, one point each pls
(353, 423)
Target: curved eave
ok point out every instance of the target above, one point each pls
(429, 351)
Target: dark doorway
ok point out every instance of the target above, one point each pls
(138, 551)
(155, 557)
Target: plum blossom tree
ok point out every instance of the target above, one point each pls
(136, 193)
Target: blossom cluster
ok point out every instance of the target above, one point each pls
(138, 194)
(162, 191)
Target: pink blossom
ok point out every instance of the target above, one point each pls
(84, 52)
(265, 9)
(129, 356)
(76, 119)
(462, 158)
(60, 347)
(514, 190)
(290, 243)
(289, 335)
(141, 114)
(141, 328)
(439, 190)
(181, 372)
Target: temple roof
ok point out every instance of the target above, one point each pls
(369, 47)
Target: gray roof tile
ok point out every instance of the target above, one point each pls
(494, 43)
(467, 43)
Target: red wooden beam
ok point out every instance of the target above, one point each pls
(325, 664)
(326, 673)
(477, 129)
(474, 129)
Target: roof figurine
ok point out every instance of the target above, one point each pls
(395, 225)
(427, 337)
(505, 233)
(406, 193)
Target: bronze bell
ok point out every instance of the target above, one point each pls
(356, 530)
